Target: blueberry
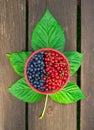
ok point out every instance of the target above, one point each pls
(31, 80)
(39, 88)
(43, 71)
(36, 55)
(42, 52)
(31, 70)
(42, 81)
(42, 68)
(27, 72)
(39, 65)
(38, 78)
(29, 77)
(38, 69)
(36, 74)
(34, 63)
(41, 84)
(36, 58)
(41, 75)
(38, 61)
(35, 85)
(39, 56)
(31, 66)
(31, 61)
(35, 69)
(42, 63)
(34, 82)
(33, 75)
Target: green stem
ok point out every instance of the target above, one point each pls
(44, 109)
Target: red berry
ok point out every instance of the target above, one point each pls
(58, 68)
(57, 77)
(63, 82)
(64, 78)
(53, 87)
(61, 65)
(46, 89)
(44, 78)
(57, 54)
(56, 73)
(65, 74)
(47, 59)
(47, 69)
(61, 68)
(52, 75)
(49, 83)
(46, 62)
(52, 58)
(50, 63)
(60, 80)
(53, 54)
(56, 65)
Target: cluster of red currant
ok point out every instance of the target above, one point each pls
(57, 71)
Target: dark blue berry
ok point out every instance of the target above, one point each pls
(29, 77)
(42, 52)
(38, 61)
(38, 69)
(36, 58)
(35, 69)
(35, 85)
(36, 75)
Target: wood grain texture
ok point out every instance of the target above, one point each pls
(87, 70)
(36, 11)
(57, 117)
(12, 39)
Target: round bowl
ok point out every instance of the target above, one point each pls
(30, 57)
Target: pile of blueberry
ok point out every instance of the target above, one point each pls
(36, 71)
(47, 71)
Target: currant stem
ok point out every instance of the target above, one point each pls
(44, 109)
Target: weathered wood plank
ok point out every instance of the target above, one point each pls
(58, 117)
(87, 70)
(36, 10)
(12, 39)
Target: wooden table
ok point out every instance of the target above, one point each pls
(17, 20)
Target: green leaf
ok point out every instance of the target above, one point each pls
(75, 60)
(22, 91)
(48, 33)
(70, 94)
(18, 61)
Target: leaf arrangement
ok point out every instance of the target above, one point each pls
(46, 34)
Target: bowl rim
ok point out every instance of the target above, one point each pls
(26, 77)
